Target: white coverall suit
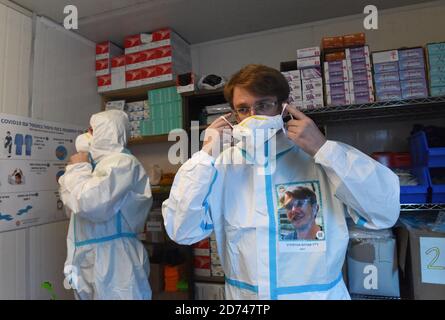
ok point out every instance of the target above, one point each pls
(109, 202)
(242, 208)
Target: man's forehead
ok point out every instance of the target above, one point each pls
(243, 96)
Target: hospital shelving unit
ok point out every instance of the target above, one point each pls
(137, 94)
(422, 207)
(195, 102)
(193, 105)
(425, 108)
(159, 195)
(400, 109)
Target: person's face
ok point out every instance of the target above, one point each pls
(301, 212)
(18, 179)
(246, 104)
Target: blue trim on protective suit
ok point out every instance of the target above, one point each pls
(204, 225)
(241, 285)
(361, 222)
(105, 239)
(119, 222)
(117, 235)
(272, 231)
(310, 287)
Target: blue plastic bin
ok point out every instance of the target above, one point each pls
(437, 190)
(424, 156)
(419, 193)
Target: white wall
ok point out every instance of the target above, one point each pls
(15, 54)
(406, 26)
(64, 90)
(15, 49)
(46, 260)
(64, 82)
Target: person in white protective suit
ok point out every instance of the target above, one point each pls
(108, 200)
(243, 201)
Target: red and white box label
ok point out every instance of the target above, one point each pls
(118, 62)
(104, 83)
(133, 60)
(145, 41)
(103, 67)
(148, 75)
(133, 78)
(107, 50)
(202, 265)
(148, 58)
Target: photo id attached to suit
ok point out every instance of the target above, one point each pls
(301, 223)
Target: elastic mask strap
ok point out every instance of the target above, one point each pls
(224, 118)
(285, 105)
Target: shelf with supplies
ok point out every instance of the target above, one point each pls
(410, 108)
(161, 190)
(133, 94)
(140, 93)
(214, 279)
(148, 139)
(355, 296)
(195, 102)
(166, 254)
(422, 207)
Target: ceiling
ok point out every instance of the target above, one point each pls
(197, 20)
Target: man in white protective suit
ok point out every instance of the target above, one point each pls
(240, 194)
(107, 194)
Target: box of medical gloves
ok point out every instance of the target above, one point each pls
(372, 262)
(421, 247)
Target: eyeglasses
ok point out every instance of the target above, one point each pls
(297, 203)
(261, 107)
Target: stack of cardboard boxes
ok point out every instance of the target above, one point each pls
(293, 77)
(149, 58)
(201, 258)
(155, 57)
(206, 260)
(372, 262)
(216, 267)
(165, 112)
(360, 76)
(137, 111)
(347, 70)
(308, 62)
(412, 73)
(421, 243)
(436, 63)
(400, 74)
(109, 60)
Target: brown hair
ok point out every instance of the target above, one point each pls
(303, 193)
(259, 80)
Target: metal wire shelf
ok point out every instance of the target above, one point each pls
(356, 296)
(431, 106)
(422, 206)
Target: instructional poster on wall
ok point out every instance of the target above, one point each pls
(33, 156)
